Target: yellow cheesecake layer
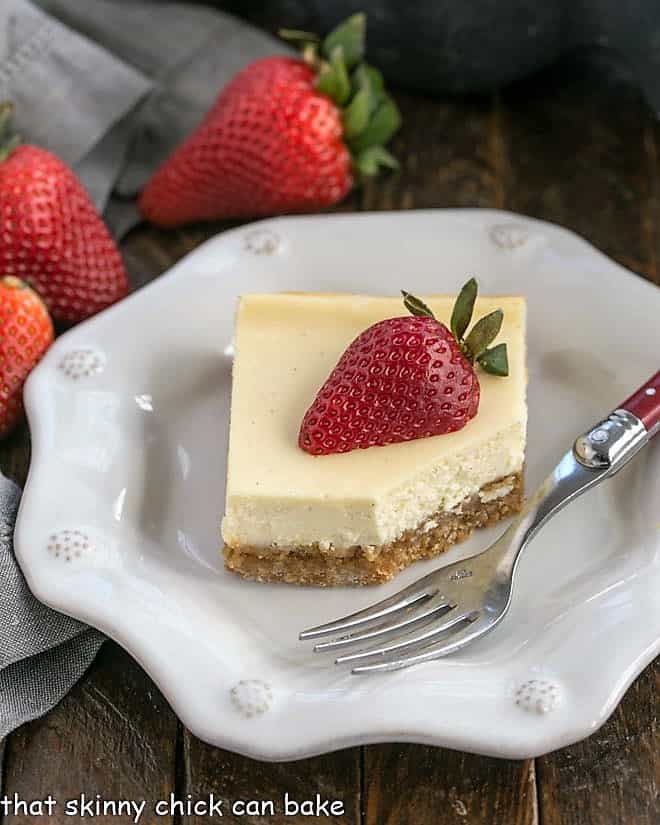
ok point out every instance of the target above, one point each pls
(285, 347)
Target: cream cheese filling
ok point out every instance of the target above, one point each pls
(343, 523)
(278, 495)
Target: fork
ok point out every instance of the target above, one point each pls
(459, 603)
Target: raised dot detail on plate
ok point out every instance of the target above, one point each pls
(251, 697)
(69, 545)
(82, 363)
(509, 235)
(650, 391)
(538, 696)
(262, 241)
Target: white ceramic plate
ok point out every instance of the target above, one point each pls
(119, 523)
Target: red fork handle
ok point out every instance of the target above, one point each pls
(645, 404)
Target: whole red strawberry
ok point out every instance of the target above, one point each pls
(26, 332)
(404, 378)
(285, 135)
(52, 235)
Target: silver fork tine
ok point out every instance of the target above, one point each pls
(460, 638)
(404, 598)
(428, 610)
(413, 642)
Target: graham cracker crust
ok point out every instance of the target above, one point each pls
(314, 565)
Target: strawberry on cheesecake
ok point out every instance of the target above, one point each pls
(363, 438)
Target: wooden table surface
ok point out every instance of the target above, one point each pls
(574, 145)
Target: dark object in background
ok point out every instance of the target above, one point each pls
(461, 46)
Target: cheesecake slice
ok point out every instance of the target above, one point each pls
(362, 516)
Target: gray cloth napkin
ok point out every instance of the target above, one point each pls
(42, 653)
(111, 86)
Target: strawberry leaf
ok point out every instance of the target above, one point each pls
(372, 159)
(350, 37)
(326, 81)
(370, 79)
(356, 115)
(484, 332)
(332, 78)
(8, 139)
(383, 124)
(416, 306)
(495, 361)
(6, 114)
(463, 309)
(342, 83)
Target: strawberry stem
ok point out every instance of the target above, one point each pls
(298, 36)
(9, 140)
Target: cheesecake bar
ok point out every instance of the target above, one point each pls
(357, 517)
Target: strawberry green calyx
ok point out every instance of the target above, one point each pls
(370, 117)
(476, 345)
(9, 140)
(483, 333)
(416, 306)
(495, 361)
(12, 282)
(350, 36)
(463, 309)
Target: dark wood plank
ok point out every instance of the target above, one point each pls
(651, 215)
(113, 735)
(581, 150)
(448, 151)
(15, 455)
(576, 147)
(336, 777)
(420, 785)
(612, 778)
